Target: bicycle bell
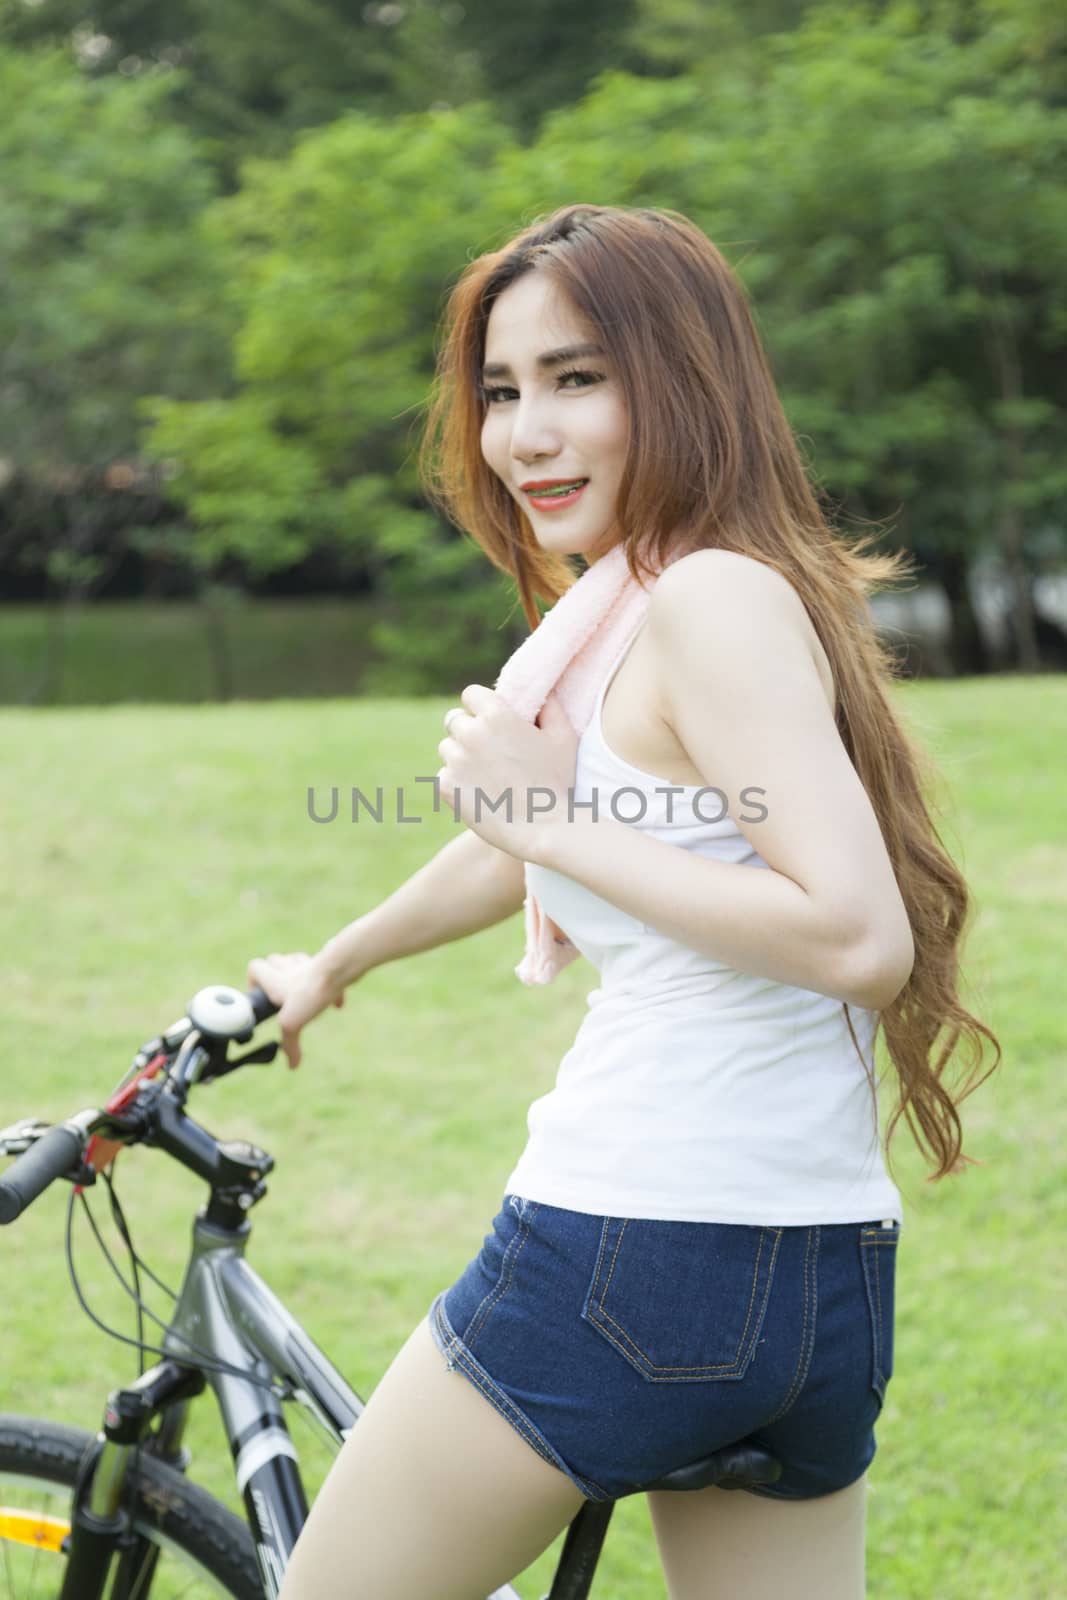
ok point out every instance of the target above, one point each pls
(220, 1012)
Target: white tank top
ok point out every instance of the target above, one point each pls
(694, 1092)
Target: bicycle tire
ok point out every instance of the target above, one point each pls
(173, 1514)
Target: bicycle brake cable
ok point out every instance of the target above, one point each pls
(119, 1217)
(205, 1360)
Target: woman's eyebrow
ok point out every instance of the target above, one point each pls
(550, 358)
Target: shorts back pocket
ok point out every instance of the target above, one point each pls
(878, 1253)
(683, 1302)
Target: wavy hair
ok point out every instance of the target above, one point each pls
(714, 462)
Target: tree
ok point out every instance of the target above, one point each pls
(106, 296)
(253, 76)
(339, 260)
(889, 195)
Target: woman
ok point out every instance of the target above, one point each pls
(698, 1243)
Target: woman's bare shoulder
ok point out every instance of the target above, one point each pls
(705, 581)
(713, 586)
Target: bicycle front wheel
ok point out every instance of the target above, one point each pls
(188, 1545)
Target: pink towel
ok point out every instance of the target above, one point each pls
(569, 654)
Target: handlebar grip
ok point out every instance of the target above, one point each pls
(262, 1005)
(56, 1152)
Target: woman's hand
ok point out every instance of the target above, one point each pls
(524, 769)
(301, 988)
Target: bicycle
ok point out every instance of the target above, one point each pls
(114, 1515)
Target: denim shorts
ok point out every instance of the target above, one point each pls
(621, 1349)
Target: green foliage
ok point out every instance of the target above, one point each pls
(906, 253)
(339, 259)
(107, 292)
(252, 493)
(253, 76)
(884, 177)
(893, 201)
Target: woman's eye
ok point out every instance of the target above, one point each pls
(492, 395)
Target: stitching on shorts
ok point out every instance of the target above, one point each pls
(503, 1284)
(600, 1253)
(878, 1293)
(510, 1411)
(871, 1242)
(807, 1345)
(668, 1374)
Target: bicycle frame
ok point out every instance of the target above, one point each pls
(225, 1312)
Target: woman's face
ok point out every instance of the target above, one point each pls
(559, 422)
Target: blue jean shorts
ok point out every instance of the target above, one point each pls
(622, 1348)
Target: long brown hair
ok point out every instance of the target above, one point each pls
(713, 461)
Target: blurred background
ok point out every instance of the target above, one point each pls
(227, 232)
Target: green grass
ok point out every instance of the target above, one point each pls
(150, 850)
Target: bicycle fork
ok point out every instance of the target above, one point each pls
(99, 1524)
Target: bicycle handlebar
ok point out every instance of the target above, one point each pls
(60, 1151)
(262, 1005)
(48, 1158)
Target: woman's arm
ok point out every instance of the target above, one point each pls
(743, 695)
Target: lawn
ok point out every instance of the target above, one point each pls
(150, 849)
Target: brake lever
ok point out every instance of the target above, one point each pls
(20, 1135)
(263, 1053)
(101, 1150)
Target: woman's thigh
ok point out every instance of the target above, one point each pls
(433, 1494)
(717, 1544)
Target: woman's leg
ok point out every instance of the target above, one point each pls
(725, 1544)
(434, 1495)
